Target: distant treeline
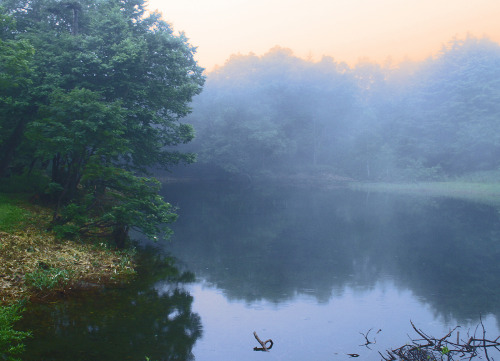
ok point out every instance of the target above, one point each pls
(281, 114)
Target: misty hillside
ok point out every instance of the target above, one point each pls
(279, 113)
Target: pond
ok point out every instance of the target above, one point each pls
(320, 272)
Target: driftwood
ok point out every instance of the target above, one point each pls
(449, 348)
(262, 343)
(367, 341)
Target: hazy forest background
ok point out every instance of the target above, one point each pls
(279, 115)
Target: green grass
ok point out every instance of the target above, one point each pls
(47, 279)
(12, 215)
(482, 192)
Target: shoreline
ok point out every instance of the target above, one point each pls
(37, 266)
(483, 192)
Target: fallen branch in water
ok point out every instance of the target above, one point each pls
(262, 343)
(367, 341)
(429, 348)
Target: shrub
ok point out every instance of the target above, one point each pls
(33, 183)
(47, 279)
(11, 341)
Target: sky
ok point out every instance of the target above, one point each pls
(384, 31)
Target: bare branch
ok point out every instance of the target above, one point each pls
(441, 349)
(262, 343)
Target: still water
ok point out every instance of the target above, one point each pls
(314, 270)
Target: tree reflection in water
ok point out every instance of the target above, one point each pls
(269, 242)
(121, 324)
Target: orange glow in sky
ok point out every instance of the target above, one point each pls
(347, 30)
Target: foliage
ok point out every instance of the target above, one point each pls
(10, 339)
(130, 201)
(16, 56)
(26, 183)
(33, 263)
(453, 118)
(47, 278)
(108, 85)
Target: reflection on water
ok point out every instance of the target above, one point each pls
(311, 269)
(273, 243)
(126, 324)
(302, 329)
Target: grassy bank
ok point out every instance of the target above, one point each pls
(483, 192)
(35, 265)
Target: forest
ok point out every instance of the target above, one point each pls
(95, 96)
(278, 114)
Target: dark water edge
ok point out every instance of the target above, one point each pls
(310, 268)
(128, 323)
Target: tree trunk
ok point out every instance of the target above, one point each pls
(120, 235)
(8, 149)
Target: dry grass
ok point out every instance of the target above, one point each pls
(31, 250)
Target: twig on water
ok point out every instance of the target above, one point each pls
(367, 341)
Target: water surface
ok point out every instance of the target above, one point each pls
(317, 269)
(314, 270)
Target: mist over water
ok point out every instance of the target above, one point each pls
(275, 243)
(317, 267)
(313, 269)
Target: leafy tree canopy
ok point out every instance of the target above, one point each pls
(108, 86)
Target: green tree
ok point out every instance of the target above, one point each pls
(76, 129)
(83, 138)
(11, 340)
(109, 86)
(15, 71)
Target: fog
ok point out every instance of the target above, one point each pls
(281, 115)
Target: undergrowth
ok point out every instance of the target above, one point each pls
(11, 340)
(36, 264)
(11, 215)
